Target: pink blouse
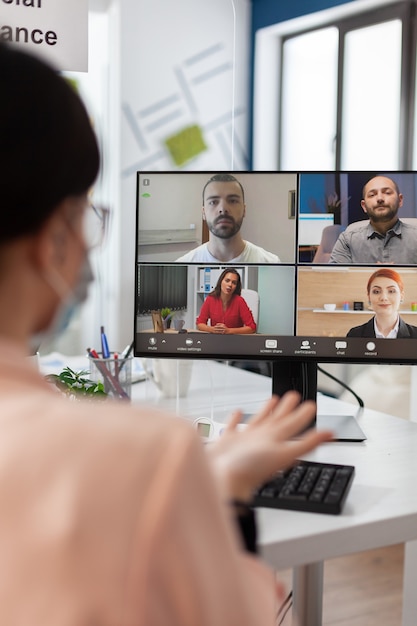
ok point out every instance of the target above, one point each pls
(111, 515)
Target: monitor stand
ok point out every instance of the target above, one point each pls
(301, 376)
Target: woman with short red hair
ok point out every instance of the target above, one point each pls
(385, 290)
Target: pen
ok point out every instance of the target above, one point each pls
(94, 355)
(128, 350)
(116, 365)
(108, 376)
(126, 354)
(104, 344)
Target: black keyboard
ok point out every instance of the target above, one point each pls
(308, 486)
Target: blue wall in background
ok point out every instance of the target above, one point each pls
(268, 12)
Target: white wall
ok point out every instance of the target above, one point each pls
(182, 63)
(98, 89)
(155, 68)
(276, 308)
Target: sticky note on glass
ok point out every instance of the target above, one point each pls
(186, 144)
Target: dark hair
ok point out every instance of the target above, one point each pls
(229, 270)
(385, 273)
(48, 150)
(223, 178)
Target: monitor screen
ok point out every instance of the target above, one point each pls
(281, 266)
(311, 226)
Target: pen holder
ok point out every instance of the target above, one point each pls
(114, 373)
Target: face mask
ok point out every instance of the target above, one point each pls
(71, 300)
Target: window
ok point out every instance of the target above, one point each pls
(371, 97)
(309, 97)
(345, 98)
(162, 286)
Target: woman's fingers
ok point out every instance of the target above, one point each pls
(266, 411)
(233, 420)
(277, 409)
(311, 440)
(293, 421)
(280, 419)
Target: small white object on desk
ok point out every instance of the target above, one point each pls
(209, 430)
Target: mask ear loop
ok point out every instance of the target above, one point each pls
(232, 138)
(57, 284)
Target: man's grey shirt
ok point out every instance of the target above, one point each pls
(360, 243)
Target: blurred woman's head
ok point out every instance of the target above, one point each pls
(48, 150)
(49, 159)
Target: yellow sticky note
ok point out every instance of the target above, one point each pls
(186, 144)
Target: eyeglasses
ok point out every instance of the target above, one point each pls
(95, 224)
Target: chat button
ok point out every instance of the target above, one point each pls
(341, 345)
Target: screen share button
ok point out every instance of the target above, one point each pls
(271, 343)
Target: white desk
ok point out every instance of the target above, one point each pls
(381, 508)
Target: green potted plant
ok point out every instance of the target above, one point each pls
(77, 385)
(167, 315)
(332, 204)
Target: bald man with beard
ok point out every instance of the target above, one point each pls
(385, 238)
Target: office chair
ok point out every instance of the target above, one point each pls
(328, 239)
(252, 300)
(259, 367)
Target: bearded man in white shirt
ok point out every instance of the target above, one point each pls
(224, 210)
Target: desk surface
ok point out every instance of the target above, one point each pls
(381, 508)
(215, 390)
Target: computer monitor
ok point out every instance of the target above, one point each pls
(304, 310)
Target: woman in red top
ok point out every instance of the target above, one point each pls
(226, 309)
